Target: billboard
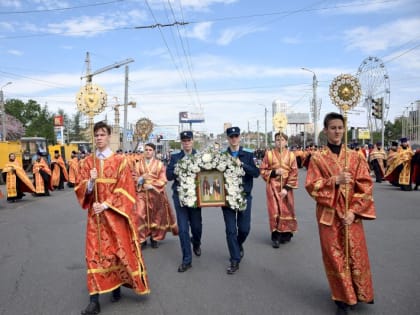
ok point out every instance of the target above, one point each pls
(297, 118)
(165, 132)
(190, 118)
(58, 121)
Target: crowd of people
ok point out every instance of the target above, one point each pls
(127, 204)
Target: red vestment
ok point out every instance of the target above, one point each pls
(281, 211)
(355, 284)
(155, 214)
(116, 259)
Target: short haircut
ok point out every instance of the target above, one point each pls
(282, 135)
(151, 145)
(102, 125)
(332, 116)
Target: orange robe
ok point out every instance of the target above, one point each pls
(59, 172)
(116, 259)
(394, 173)
(155, 214)
(355, 284)
(41, 187)
(73, 171)
(17, 182)
(281, 211)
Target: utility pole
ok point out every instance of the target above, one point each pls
(314, 104)
(258, 134)
(3, 112)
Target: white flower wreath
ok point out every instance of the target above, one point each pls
(187, 168)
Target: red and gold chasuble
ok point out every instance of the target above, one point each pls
(55, 177)
(38, 179)
(14, 170)
(281, 211)
(113, 255)
(155, 214)
(355, 284)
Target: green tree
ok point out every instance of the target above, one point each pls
(25, 113)
(42, 126)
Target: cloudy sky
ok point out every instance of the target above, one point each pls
(229, 59)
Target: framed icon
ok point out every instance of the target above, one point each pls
(211, 189)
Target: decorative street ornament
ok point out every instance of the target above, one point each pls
(91, 99)
(280, 121)
(345, 92)
(144, 128)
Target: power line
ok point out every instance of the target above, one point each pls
(59, 9)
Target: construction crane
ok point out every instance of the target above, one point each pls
(89, 75)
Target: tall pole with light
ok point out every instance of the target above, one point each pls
(3, 112)
(265, 124)
(314, 104)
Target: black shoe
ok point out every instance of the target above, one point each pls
(93, 308)
(241, 251)
(184, 267)
(234, 267)
(154, 243)
(276, 244)
(197, 250)
(341, 308)
(116, 295)
(143, 244)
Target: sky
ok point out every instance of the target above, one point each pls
(228, 60)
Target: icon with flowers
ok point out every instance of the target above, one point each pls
(188, 167)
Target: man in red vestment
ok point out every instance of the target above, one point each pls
(154, 211)
(113, 256)
(279, 170)
(337, 176)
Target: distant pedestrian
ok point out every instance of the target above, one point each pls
(59, 171)
(42, 176)
(17, 182)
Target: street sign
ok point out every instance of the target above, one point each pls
(363, 134)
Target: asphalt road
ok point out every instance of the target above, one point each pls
(42, 265)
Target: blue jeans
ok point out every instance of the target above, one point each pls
(238, 225)
(188, 217)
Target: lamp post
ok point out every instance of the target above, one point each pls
(265, 124)
(3, 112)
(314, 104)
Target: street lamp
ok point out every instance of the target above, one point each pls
(3, 110)
(265, 124)
(314, 104)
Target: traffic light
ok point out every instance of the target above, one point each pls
(377, 108)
